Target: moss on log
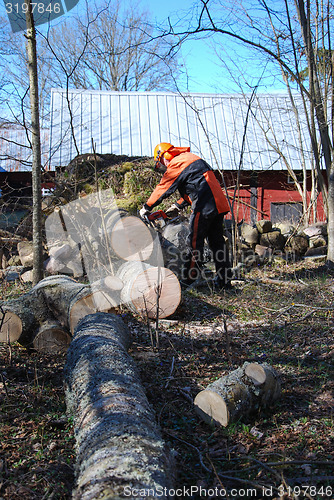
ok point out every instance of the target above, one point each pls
(118, 443)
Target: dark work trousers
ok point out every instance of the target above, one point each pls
(211, 228)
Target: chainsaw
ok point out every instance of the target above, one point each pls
(158, 219)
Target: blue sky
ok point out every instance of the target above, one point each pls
(205, 71)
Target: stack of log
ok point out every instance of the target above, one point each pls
(45, 317)
(265, 240)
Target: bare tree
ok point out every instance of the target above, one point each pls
(105, 47)
(36, 147)
(296, 37)
(110, 48)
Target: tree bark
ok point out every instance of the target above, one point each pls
(22, 317)
(118, 443)
(36, 147)
(148, 290)
(239, 393)
(55, 297)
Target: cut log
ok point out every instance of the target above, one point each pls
(129, 236)
(51, 338)
(69, 301)
(118, 444)
(57, 297)
(21, 318)
(237, 394)
(148, 290)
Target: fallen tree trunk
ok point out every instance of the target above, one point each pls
(119, 447)
(148, 290)
(239, 393)
(70, 301)
(55, 297)
(20, 318)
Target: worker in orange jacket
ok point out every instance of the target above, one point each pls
(198, 187)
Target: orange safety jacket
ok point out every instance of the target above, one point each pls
(196, 182)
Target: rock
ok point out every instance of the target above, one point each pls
(317, 241)
(298, 243)
(27, 277)
(285, 228)
(249, 233)
(264, 226)
(319, 229)
(76, 267)
(316, 253)
(274, 239)
(54, 266)
(25, 249)
(263, 251)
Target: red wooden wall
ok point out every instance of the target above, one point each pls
(261, 190)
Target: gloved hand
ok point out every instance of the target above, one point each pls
(173, 211)
(143, 212)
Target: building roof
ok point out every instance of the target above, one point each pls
(213, 125)
(15, 148)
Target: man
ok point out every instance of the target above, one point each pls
(199, 187)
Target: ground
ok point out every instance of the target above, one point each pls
(282, 314)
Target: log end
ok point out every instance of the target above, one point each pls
(212, 408)
(131, 239)
(256, 373)
(97, 301)
(11, 327)
(156, 286)
(265, 377)
(51, 338)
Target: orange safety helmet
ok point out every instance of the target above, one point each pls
(161, 149)
(168, 151)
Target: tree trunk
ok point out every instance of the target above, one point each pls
(149, 291)
(22, 317)
(36, 147)
(118, 444)
(239, 393)
(330, 225)
(57, 297)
